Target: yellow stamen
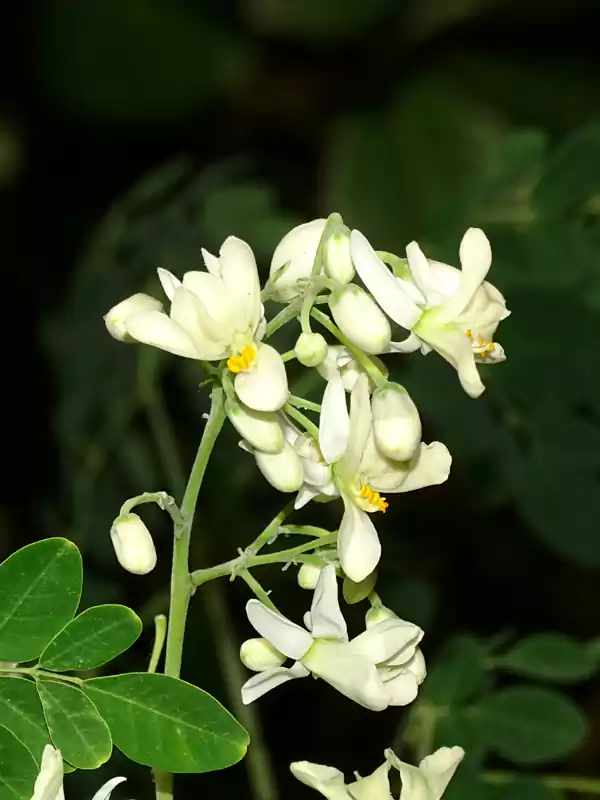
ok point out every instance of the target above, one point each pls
(469, 335)
(245, 359)
(373, 497)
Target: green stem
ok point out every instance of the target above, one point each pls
(289, 355)
(160, 633)
(41, 673)
(272, 529)
(300, 402)
(245, 562)
(279, 320)
(568, 783)
(369, 367)
(181, 585)
(162, 500)
(258, 590)
(302, 420)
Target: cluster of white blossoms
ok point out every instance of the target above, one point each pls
(361, 454)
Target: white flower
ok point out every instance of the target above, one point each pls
(428, 781)
(293, 259)
(133, 544)
(455, 312)
(49, 782)
(339, 359)
(218, 315)
(351, 667)
(360, 471)
(360, 319)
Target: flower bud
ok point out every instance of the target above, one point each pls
(310, 349)
(377, 614)
(396, 422)
(116, 317)
(133, 544)
(259, 655)
(295, 256)
(360, 319)
(261, 429)
(338, 359)
(337, 256)
(282, 470)
(308, 576)
(316, 471)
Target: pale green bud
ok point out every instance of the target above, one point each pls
(282, 470)
(115, 320)
(308, 576)
(261, 429)
(134, 546)
(310, 349)
(337, 255)
(396, 422)
(360, 319)
(377, 614)
(259, 655)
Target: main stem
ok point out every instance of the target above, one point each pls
(181, 584)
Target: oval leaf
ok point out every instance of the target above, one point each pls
(168, 724)
(552, 656)
(76, 727)
(93, 638)
(21, 712)
(18, 769)
(40, 587)
(458, 672)
(530, 724)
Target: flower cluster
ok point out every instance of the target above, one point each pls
(365, 446)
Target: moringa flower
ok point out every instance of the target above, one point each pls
(49, 782)
(455, 312)
(217, 315)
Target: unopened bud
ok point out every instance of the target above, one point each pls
(115, 320)
(310, 349)
(338, 359)
(294, 257)
(282, 470)
(308, 576)
(396, 422)
(133, 544)
(337, 255)
(258, 655)
(360, 319)
(261, 429)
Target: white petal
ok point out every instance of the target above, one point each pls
(137, 303)
(384, 287)
(104, 792)
(305, 495)
(400, 684)
(289, 638)
(264, 387)
(420, 271)
(327, 780)
(417, 666)
(316, 472)
(359, 317)
(455, 347)
(169, 282)
(260, 429)
(358, 543)
(386, 639)
(431, 467)
(360, 427)
(210, 338)
(374, 787)
(283, 470)
(48, 784)
(156, 329)
(439, 768)
(216, 300)
(475, 259)
(263, 682)
(334, 424)
(297, 249)
(240, 276)
(211, 263)
(409, 345)
(327, 620)
(349, 673)
(396, 422)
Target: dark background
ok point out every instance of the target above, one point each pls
(134, 132)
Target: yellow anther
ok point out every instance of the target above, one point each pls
(245, 359)
(469, 335)
(373, 497)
